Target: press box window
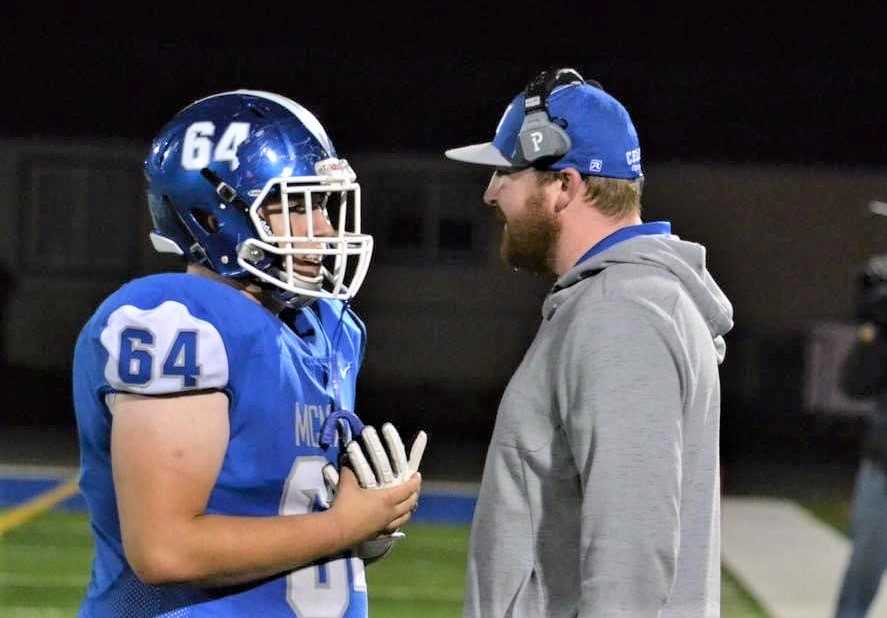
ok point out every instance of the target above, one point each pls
(78, 215)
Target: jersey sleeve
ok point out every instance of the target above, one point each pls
(162, 350)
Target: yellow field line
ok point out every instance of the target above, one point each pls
(37, 505)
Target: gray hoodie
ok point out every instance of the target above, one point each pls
(601, 488)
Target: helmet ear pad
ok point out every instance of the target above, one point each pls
(214, 236)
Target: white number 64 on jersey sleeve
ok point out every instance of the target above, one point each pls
(162, 350)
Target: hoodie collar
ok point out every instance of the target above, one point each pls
(666, 253)
(624, 233)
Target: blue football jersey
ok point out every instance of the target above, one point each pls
(174, 333)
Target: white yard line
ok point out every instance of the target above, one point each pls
(791, 562)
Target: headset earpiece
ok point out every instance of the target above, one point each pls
(541, 139)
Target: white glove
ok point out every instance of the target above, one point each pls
(384, 472)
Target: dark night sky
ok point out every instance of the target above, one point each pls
(747, 84)
(752, 84)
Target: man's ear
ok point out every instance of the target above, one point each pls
(571, 187)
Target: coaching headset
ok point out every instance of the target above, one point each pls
(541, 138)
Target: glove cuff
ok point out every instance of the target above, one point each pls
(378, 548)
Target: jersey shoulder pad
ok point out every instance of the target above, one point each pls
(160, 337)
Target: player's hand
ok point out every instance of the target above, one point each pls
(385, 471)
(363, 514)
(371, 549)
(375, 467)
(388, 469)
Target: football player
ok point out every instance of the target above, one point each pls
(208, 402)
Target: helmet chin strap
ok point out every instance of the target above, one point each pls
(287, 299)
(276, 300)
(280, 298)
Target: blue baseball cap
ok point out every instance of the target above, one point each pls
(603, 140)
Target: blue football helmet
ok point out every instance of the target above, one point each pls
(220, 159)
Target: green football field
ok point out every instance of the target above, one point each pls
(44, 566)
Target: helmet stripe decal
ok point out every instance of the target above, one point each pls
(305, 117)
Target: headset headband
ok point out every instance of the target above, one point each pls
(539, 89)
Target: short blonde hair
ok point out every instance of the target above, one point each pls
(613, 197)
